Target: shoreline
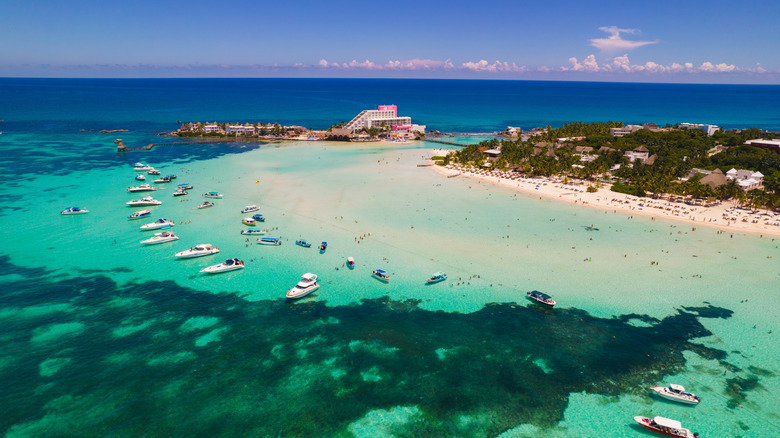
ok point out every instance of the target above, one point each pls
(721, 217)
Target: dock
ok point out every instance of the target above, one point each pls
(452, 143)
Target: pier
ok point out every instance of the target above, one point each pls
(453, 143)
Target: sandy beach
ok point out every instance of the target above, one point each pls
(725, 216)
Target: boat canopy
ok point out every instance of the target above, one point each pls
(678, 388)
(379, 271)
(437, 274)
(309, 276)
(350, 259)
(666, 422)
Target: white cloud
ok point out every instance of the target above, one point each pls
(497, 66)
(614, 42)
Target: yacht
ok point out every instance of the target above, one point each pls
(141, 167)
(163, 237)
(153, 171)
(248, 221)
(180, 192)
(258, 217)
(146, 200)
(350, 262)
(305, 286)
(436, 278)
(200, 250)
(254, 231)
(184, 186)
(665, 426)
(165, 179)
(215, 195)
(206, 204)
(303, 243)
(74, 210)
(249, 209)
(161, 223)
(140, 214)
(171, 177)
(145, 187)
(381, 275)
(541, 298)
(677, 393)
(269, 241)
(227, 265)
(323, 247)
(140, 177)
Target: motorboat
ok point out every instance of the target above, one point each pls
(141, 167)
(161, 223)
(381, 275)
(258, 217)
(437, 277)
(541, 298)
(676, 393)
(215, 195)
(323, 247)
(227, 265)
(199, 250)
(171, 177)
(146, 200)
(180, 192)
(249, 209)
(305, 286)
(269, 241)
(665, 426)
(303, 243)
(165, 236)
(142, 188)
(184, 186)
(140, 177)
(206, 204)
(138, 164)
(350, 262)
(140, 214)
(248, 221)
(254, 231)
(164, 179)
(153, 171)
(74, 210)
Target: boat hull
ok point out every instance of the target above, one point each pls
(645, 422)
(294, 293)
(221, 269)
(671, 397)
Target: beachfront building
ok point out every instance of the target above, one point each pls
(383, 116)
(708, 129)
(628, 129)
(641, 153)
(513, 131)
(714, 179)
(208, 129)
(746, 179)
(772, 145)
(240, 129)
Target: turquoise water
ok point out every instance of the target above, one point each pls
(104, 336)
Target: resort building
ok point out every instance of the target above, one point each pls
(383, 116)
(746, 179)
(772, 145)
(714, 179)
(240, 129)
(641, 153)
(210, 128)
(628, 129)
(708, 129)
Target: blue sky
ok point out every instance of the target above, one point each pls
(661, 41)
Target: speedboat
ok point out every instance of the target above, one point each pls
(350, 262)
(74, 210)
(140, 177)
(307, 285)
(269, 241)
(436, 278)
(142, 188)
(541, 298)
(140, 214)
(200, 250)
(180, 192)
(248, 221)
(163, 237)
(381, 275)
(677, 393)
(254, 231)
(141, 167)
(665, 426)
(184, 186)
(171, 177)
(161, 223)
(227, 265)
(258, 217)
(146, 200)
(250, 208)
(323, 247)
(164, 179)
(303, 243)
(215, 195)
(153, 171)
(206, 204)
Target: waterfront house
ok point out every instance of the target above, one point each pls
(746, 179)
(210, 128)
(641, 153)
(628, 129)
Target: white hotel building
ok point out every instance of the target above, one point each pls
(384, 115)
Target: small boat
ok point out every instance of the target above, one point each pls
(180, 192)
(436, 278)
(146, 200)
(74, 210)
(249, 209)
(254, 231)
(161, 223)
(323, 247)
(141, 188)
(305, 286)
(206, 204)
(227, 265)
(153, 172)
(141, 167)
(258, 217)
(269, 241)
(163, 237)
(215, 195)
(139, 214)
(665, 426)
(184, 186)
(677, 393)
(171, 177)
(248, 221)
(200, 250)
(381, 275)
(541, 298)
(350, 263)
(303, 243)
(140, 177)
(164, 179)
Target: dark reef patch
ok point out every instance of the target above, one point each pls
(130, 366)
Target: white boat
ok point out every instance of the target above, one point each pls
(165, 179)
(227, 265)
(153, 171)
(140, 177)
(146, 200)
(141, 167)
(254, 231)
(74, 210)
(269, 241)
(199, 250)
(665, 426)
(206, 204)
(351, 262)
(436, 277)
(250, 208)
(307, 285)
(142, 188)
(248, 221)
(140, 214)
(160, 238)
(161, 223)
(215, 195)
(381, 275)
(677, 393)
(180, 192)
